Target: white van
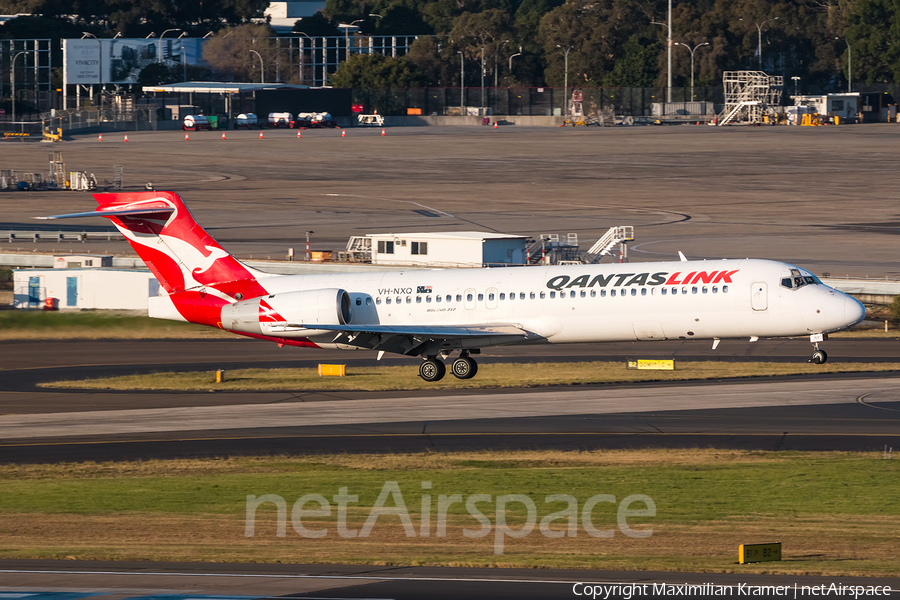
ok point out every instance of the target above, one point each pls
(195, 122)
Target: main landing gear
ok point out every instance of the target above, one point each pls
(818, 356)
(433, 369)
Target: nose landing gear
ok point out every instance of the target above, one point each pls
(818, 356)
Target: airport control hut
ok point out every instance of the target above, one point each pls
(451, 249)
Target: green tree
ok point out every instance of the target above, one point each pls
(231, 53)
(362, 71)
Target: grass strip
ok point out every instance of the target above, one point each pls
(30, 325)
(836, 513)
(498, 375)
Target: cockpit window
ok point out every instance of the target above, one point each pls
(798, 280)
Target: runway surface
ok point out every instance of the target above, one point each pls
(120, 580)
(827, 412)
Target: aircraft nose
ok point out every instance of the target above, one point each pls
(854, 311)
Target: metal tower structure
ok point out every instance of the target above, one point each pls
(749, 95)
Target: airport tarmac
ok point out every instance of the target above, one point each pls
(823, 198)
(198, 581)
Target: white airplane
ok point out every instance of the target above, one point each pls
(434, 313)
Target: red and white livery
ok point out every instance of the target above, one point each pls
(434, 313)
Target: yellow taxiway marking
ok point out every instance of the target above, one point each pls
(427, 435)
(862, 400)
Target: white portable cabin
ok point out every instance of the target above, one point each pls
(84, 288)
(448, 249)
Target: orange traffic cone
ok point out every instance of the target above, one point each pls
(382, 131)
(223, 135)
(343, 133)
(126, 137)
(186, 138)
(298, 134)
(260, 135)
(495, 124)
(100, 139)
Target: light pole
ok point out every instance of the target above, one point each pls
(668, 52)
(796, 85)
(566, 78)
(262, 67)
(482, 80)
(462, 82)
(307, 244)
(692, 62)
(346, 27)
(496, 55)
(849, 66)
(759, 27)
(12, 79)
(159, 57)
(312, 48)
(519, 53)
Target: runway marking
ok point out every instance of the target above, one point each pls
(862, 400)
(432, 435)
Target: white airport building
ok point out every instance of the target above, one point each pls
(448, 249)
(84, 288)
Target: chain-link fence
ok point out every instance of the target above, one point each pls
(524, 101)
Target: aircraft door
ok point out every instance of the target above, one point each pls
(469, 299)
(491, 301)
(758, 296)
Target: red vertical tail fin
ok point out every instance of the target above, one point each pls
(180, 253)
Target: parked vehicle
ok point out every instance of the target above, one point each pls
(195, 123)
(320, 119)
(246, 121)
(281, 119)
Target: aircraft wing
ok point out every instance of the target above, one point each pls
(410, 339)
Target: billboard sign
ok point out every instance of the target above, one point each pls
(121, 60)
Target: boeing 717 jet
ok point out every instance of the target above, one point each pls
(435, 314)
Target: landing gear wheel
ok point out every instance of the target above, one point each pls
(464, 368)
(432, 369)
(819, 357)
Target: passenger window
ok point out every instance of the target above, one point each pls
(469, 297)
(449, 298)
(633, 292)
(490, 296)
(409, 299)
(612, 293)
(663, 291)
(543, 295)
(572, 294)
(643, 291)
(684, 290)
(674, 291)
(603, 293)
(593, 293)
(704, 289)
(502, 296)
(459, 297)
(715, 289)
(399, 300)
(553, 294)
(436, 298)
(387, 300)
(369, 301)
(694, 290)
(522, 295)
(378, 300)
(428, 299)
(481, 297)
(418, 299)
(724, 289)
